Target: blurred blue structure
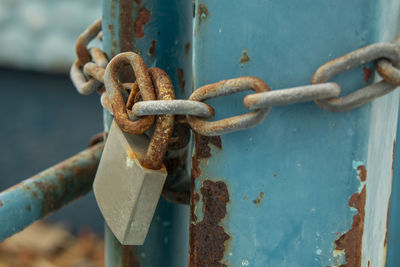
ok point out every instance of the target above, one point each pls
(44, 122)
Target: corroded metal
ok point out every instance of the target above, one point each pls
(223, 88)
(208, 238)
(114, 87)
(390, 71)
(48, 191)
(350, 61)
(84, 39)
(164, 123)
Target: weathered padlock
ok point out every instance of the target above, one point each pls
(131, 175)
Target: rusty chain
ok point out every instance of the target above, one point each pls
(91, 70)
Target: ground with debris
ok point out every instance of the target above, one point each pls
(48, 245)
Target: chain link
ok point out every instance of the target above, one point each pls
(91, 70)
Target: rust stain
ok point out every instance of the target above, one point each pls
(187, 48)
(126, 26)
(152, 49)
(128, 256)
(208, 238)
(138, 2)
(244, 58)
(181, 79)
(387, 224)
(260, 197)
(367, 73)
(351, 242)
(28, 207)
(1, 203)
(388, 207)
(202, 14)
(181, 134)
(202, 150)
(363, 173)
(369, 263)
(110, 27)
(142, 19)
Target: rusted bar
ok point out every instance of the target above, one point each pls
(48, 191)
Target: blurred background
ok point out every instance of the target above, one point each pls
(44, 119)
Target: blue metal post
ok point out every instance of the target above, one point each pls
(161, 31)
(47, 191)
(307, 187)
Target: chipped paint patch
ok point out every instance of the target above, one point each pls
(244, 58)
(260, 197)
(208, 238)
(202, 13)
(350, 243)
(142, 19)
(367, 74)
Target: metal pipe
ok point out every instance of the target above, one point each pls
(48, 191)
(161, 32)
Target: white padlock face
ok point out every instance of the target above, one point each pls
(126, 192)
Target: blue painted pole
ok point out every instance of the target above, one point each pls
(161, 32)
(306, 187)
(48, 191)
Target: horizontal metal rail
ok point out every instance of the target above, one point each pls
(48, 191)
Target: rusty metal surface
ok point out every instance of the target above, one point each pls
(167, 240)
(390, 71)
(114, 86)
(48, 191)
(291, 178)
(164, 124)
(223, 88)
(84, 39)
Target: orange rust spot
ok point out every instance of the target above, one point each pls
(142, 19)
(1, 203)
(363, 173)
(126, 26)
(388, 207)
(128, 256)
(369, 263)
(351, 242)
(202, 13)
(181, 79)
(257, 201)
(139, 2)
(187, 48)
(244, 58)
(367, 74)
(202, 151)
(152, 48)
(387, 224)
(110, 27)
(208, 238)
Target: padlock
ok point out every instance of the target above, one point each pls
(126, 192)
(131, 176)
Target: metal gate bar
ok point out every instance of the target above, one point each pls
(306, 187)
(161, 31)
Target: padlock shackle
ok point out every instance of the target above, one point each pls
(114, 87)
(164, 125)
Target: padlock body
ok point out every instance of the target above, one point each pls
(126, 192)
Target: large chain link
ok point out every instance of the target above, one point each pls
(91, 70)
